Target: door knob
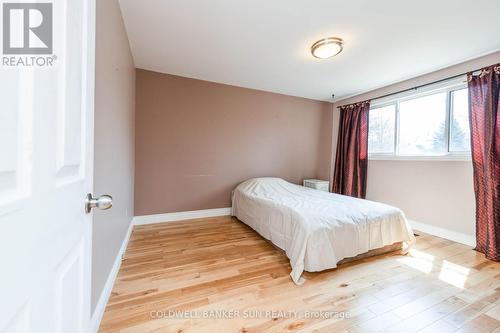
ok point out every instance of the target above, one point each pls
(103, 202)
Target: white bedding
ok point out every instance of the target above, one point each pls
(316, 229)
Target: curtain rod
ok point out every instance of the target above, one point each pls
(420, 86)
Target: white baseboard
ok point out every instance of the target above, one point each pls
(444, 233)
(108, 287)
(169, 217)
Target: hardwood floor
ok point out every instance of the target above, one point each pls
(215, 268)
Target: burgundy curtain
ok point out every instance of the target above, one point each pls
(352, 151)
(484, 102)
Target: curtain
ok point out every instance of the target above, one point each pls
(484, 102)
(351, 160)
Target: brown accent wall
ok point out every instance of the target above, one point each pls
(196, 140)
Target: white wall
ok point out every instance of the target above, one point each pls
(114, 140)
(439, 194)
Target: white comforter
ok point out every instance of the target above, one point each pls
(316, 229)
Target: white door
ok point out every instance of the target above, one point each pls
(46, 152)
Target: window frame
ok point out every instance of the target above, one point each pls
(448, 87)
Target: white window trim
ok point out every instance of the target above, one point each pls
(448, 87)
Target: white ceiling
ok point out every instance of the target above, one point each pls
(264, 44)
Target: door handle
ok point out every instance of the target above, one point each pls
(103, 202)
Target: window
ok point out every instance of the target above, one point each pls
(422, 125)
(460, 131)
(429, 124)
(381, 129)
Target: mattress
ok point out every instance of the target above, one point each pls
(317, 229)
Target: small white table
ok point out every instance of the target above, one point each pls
(318, 184)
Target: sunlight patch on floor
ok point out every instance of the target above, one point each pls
(418, 260)
(453, 274)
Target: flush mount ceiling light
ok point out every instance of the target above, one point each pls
(327, 47)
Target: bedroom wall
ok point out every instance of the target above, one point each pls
(114, 140)
(437, 193)
(196, 140)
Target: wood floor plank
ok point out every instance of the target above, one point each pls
(187, 276)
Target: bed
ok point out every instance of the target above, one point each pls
(317, 229)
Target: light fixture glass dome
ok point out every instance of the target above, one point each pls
(327, 47)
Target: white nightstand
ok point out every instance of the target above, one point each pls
(322, 185)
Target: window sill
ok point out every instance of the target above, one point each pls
(436, 158)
